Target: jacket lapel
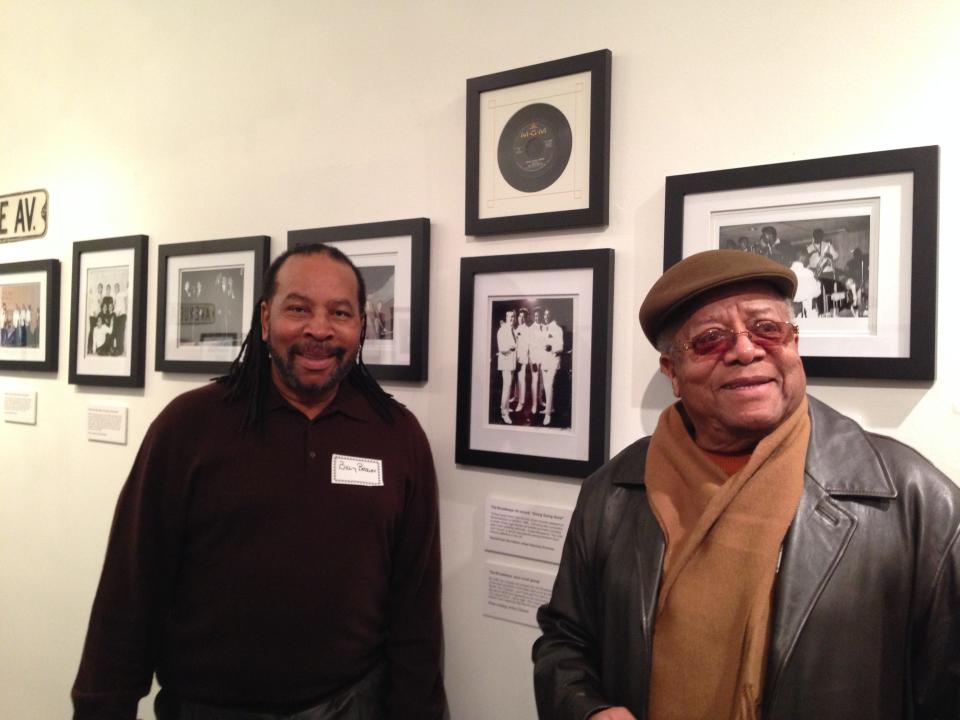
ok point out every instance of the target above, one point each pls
(841, 466)
(812, 549)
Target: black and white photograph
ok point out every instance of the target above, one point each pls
(538, 141)
(533, 382)
(29, 315)
(531, 368)
(393, 258)
(211, 305)
(108, 312)
(379, 309)
(207, 292)
(859, 231)
(830, 257)
(105, 311)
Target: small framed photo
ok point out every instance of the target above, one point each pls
(394, 259)
(533, 384)
(207, 293)
(108, 312)
(30, 315)
(859, 231)
(538, 146)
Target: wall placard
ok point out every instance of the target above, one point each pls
(20, 407)
(106, 423)
(525, 530)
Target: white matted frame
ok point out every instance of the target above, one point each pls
(892, 199)
(108, 331)
(394, 259)
(582, 283)
(207, 292)
(29, 315)
(573, 97)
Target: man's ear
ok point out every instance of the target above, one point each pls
(264, 320)
(667, 368)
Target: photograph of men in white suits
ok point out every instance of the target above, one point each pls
(523, 333)
(552, 343)
(506, 362)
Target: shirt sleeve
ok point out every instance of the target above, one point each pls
(414, 630)
(119, 655)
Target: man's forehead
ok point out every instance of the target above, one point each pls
(302, 272)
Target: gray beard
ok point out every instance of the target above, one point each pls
(284, 366)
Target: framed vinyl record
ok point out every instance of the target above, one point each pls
(538, 146)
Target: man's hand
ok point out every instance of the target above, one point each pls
(614, 713)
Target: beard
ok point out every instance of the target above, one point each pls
(284, 365)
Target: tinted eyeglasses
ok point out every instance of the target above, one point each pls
(765, 333)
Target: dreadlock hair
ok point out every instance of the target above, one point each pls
(249, 375)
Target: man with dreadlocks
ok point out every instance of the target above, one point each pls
(275, 550)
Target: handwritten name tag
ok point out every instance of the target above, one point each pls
(347, 470)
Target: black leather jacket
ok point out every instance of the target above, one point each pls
(866, 618)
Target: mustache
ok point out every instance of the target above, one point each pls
(317, 348)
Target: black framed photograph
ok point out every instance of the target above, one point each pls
(533, 382)
(859, 231)
(394, 259)
(538, 146)
(207, 292)
(108, 312)
(29, 315)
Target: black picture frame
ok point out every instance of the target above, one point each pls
(399, 350)
(858, 175)
(112, 258)
(561, 204)
(577, 285)
(36, 349)
(215, 314)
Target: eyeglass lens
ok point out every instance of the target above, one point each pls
(765, 333)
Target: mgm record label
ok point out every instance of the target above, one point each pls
(23, 215)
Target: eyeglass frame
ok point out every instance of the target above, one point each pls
(732, 336)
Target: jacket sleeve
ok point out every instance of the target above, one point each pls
(414, 629)
(567, 656)
(119, 655)
(937, 666)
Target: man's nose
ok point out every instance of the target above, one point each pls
(319, 325)
(744, 350)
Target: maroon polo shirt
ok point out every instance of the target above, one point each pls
(241, 573)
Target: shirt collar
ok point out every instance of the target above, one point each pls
(348, 401)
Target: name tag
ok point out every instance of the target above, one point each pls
(347, 470)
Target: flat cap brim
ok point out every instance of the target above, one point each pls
(701, 273)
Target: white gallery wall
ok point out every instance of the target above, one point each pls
(195, 120)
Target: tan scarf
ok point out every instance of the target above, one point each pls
(723, 545)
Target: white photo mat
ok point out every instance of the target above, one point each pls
(28, 354)
(105, 365)
(570, 443)
(571, 191)
(173, 350)
(395, 252)
(887, 199)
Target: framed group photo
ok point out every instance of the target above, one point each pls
(207, 292)
(29, 315)
(860, 233)
(533, 383)
(108, 312)
(393, 258)
(538, 146)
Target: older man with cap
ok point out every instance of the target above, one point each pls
(760, 555)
